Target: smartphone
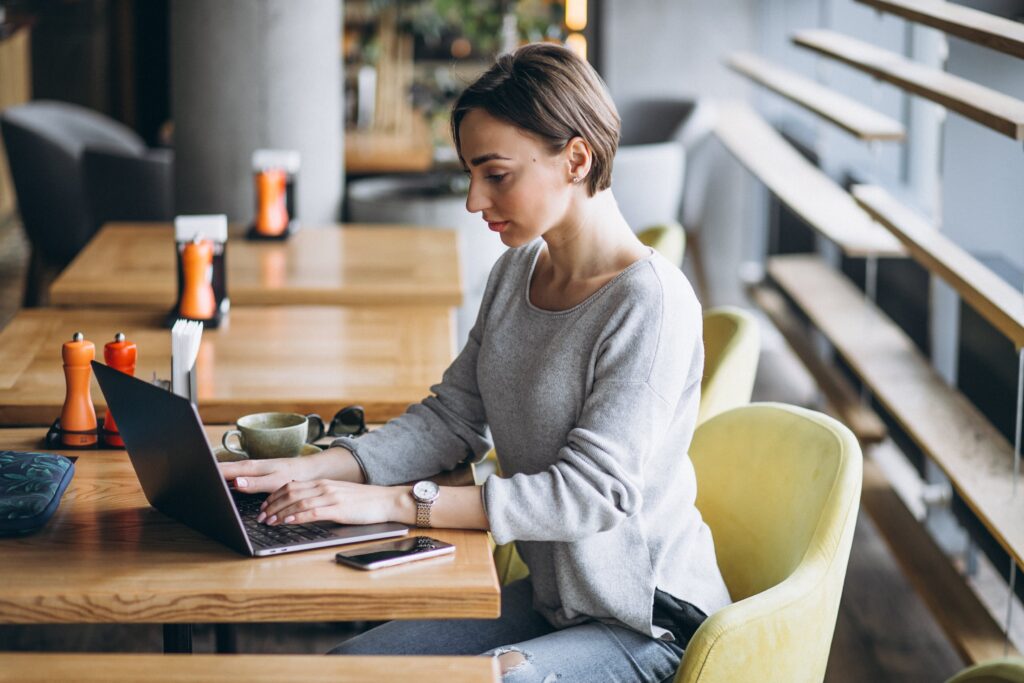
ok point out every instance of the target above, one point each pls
(394, 552)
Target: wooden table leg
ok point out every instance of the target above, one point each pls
(177, 638)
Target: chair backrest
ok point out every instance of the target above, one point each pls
(668, 239)
(647, 181)
(732, 346)
(645, 121)
(779, 486)
(1006, 670)
(45, 142)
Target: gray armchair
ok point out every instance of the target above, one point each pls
(73, 170)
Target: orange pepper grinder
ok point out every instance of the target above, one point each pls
(272, 217)
(120, 355)
(78, 413)
(197, 299)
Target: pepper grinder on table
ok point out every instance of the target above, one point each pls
(119, 354)
(78, 414)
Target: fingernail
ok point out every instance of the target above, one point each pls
(289, 519)
(260, 517)
(263, 506)
(273, 518)
(241, 482)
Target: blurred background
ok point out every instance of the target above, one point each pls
(362, 88)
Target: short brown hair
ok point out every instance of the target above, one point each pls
(547, 90)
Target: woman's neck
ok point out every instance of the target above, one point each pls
(594, 240)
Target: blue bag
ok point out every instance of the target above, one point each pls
(31, 486)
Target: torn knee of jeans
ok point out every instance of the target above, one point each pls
(497, 653)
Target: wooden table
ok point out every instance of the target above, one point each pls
(301, 359)
(108, 557)
(39, 667)
(133, 264)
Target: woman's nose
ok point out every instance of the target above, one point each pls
(476, 200)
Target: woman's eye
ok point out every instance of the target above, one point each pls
(496, 177)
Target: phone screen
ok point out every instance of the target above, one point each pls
(394, 552)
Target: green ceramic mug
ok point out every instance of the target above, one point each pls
(273, 435)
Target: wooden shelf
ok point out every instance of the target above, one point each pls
(969, 626)
(996, 33)
(946, 426)
(988, 107)
(843, 401)
(847, 113)
(801, 186)
(990, 295)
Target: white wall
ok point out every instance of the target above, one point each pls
(666, 48)
(983, 171)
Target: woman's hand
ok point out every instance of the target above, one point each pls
(264, 476)
(300, 502)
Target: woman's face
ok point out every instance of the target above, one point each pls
(521, 189)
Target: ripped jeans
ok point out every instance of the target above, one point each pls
(586, 653)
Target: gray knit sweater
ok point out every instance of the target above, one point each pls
(591, 411)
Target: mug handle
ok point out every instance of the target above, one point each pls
(315, 426)
(237, 450)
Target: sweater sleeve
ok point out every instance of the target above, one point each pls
(442, 431)
(644, 376)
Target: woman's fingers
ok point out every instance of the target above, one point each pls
(256, 476)
(287, 496)
(316, 514)
(310, 509)
(286, 489)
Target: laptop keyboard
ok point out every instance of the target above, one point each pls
(271, 536)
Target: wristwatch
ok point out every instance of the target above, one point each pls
(424, 493)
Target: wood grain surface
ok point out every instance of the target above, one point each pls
(849, 114)
(800, 185)
(297, 359)
(967, 623)
(983, 105)
(133, 264)
(986, 292)
(994, 32)
(108, 557)
(152, 668)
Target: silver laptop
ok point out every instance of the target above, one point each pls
(178, 472)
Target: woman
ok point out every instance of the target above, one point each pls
(584, 366)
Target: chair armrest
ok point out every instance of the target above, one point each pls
(122, 186)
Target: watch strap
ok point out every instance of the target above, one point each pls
(423, 513)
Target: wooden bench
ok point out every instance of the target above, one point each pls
(40, 667)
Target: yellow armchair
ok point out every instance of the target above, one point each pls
(1008, 670)
(780, 488)
(668, 239)
(732, 346)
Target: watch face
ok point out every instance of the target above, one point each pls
(425, 490)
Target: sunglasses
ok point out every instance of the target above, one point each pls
(349, 421)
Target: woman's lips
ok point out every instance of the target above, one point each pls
(497, 227)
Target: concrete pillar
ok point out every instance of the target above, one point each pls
(249, 74)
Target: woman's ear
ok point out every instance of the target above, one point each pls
(579, 158)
